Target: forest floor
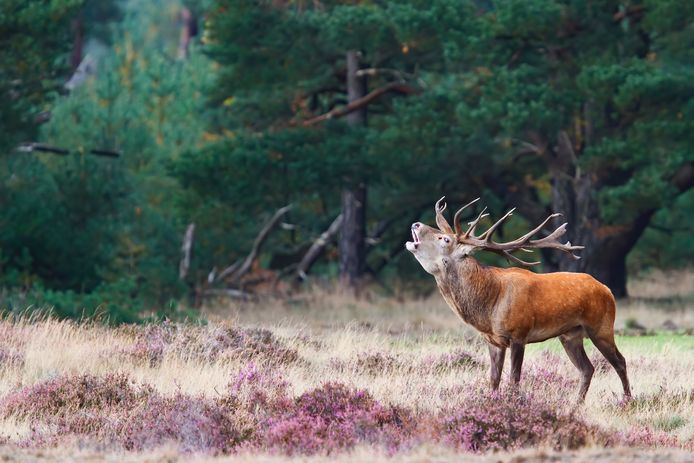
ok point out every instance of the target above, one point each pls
(327, 377)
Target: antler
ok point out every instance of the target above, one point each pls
(524, 243)
(441, 221)
(456, 218)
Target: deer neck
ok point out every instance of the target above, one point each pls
(471, 290)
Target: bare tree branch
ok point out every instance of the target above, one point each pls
(258, 243)
(228, 271)
(359, 103)
(186, 248)
(30, 147)
(317, 248)
(229, 292)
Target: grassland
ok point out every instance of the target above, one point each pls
(412, 376)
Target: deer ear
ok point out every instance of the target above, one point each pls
(441, 221)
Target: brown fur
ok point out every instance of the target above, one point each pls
(513, 307)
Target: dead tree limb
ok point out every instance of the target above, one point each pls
(227, 271)
(30, 147)
(186, 248)
(395, 87)
(258, 243)
(230, 293)
(317, 248)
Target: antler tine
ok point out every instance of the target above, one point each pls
(440, 219)
(471, 229)
(487, 235)
(523, 243)
(456, 217)
(511, 257)
(552, 241)
(540, 227)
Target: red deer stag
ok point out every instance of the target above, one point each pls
(512, 307)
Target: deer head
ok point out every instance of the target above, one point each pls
(436, 249)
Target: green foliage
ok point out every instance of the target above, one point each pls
(114, 302)
(90, 235)
(35, 37)
(492, 77)
(220, 139)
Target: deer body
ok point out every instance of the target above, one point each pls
(519, 305)
(513, 307)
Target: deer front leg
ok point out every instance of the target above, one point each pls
(517, 351)
(496, 355)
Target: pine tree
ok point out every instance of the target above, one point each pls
(577, 106)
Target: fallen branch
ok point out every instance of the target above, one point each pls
(227, 271)
(317, 248)
(359, 103)
(258, 243)
(228, 292)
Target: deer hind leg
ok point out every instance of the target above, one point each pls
(517, 352)
(496, 355)
(573, 345)
(607, 347)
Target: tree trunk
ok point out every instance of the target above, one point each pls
(188, 31)
(77, 42)
(606, 246)
(352, 245)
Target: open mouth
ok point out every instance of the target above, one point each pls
(415, 237)
(413, 245)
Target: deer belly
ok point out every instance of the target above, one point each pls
(542, 333)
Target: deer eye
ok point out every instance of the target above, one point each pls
(446, 240)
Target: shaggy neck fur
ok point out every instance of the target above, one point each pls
(471, 290)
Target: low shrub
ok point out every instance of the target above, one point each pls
(334, 417)
(257, 412)
(204, 343)
(510, 420)
(116, 413)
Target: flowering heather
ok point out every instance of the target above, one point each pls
(69, 394)
(260, 392)
(114, 412)
(334, 417)
(229, 389)
(202, 343)
(545, 373)
(510, 420)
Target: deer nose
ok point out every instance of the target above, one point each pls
(416, 225)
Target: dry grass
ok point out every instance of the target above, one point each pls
(393, 349)
(663, 284)
(420, 455)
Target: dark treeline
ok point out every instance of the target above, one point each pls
(147, 149)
